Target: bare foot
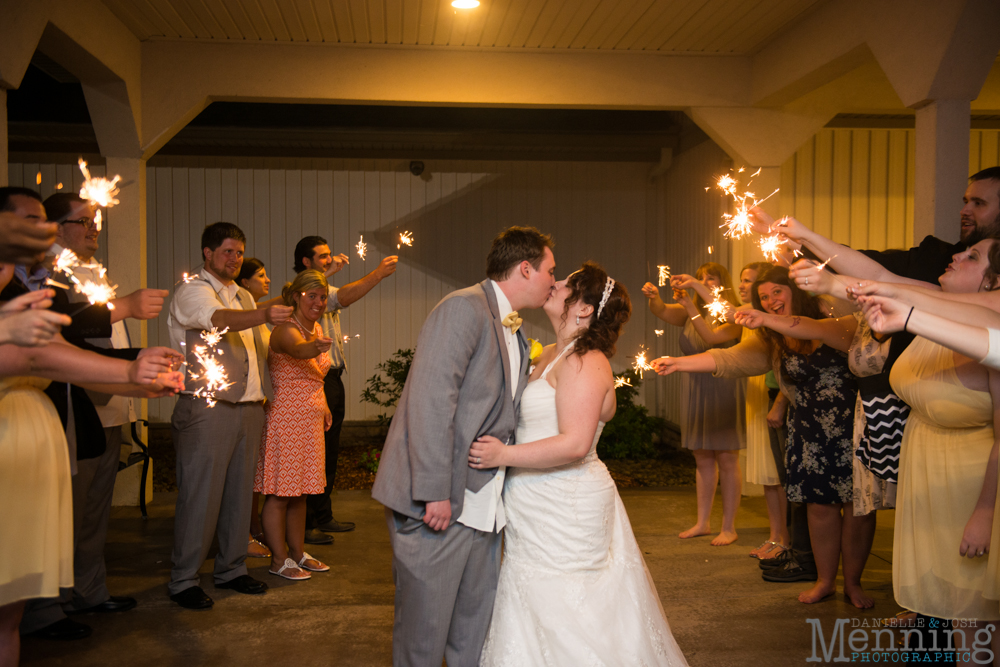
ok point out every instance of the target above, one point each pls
(695, 531)
(858, 597)
(817, 593)
(723, 538)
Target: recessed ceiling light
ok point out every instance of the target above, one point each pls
(465, 4)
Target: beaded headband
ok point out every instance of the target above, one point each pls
(608, 286)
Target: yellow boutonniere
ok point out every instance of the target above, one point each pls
(534, 349)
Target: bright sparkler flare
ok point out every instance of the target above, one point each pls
(99, 190)
(717, 309)
(55, 283)
(640, 364)
(663, 274)
(212, 373)
(96, 293)
(213, 337)
(622, 381)
(658, 332)
(405, 238)
(65, 262)
(38, 178)
(771, 246)
(97, 220)
(186, 277)
(362, 248)
(822, 266)
(96, 266)
(739, 224)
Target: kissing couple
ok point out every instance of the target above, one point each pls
(484, 443)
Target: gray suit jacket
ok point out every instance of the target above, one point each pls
(458, 389)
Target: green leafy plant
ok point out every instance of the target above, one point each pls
(369, 461)
(386, 386)
(629, 435)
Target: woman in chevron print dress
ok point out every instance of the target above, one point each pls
(292, 461)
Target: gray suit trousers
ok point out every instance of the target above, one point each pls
(445, 585)
(93, 488)
(216, 460)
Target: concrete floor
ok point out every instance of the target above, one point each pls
(720, 610)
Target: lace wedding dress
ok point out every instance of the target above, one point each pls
(574, 589)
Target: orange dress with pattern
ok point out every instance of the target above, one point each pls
(292, 459)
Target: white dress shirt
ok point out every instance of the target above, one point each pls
(329, 322)
(483, 510)
(192, 307)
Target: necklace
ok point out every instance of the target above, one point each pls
(310, 330)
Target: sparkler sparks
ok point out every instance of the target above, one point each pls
(99, 190)
(622, 381)
(658, 332)
(65, 262)
(771, 246)
(718, 308)
(405, 238)
(663, 274)
(38, 178)
(97, 220)
(187, 277)
(213, 373)
(739, 224)
(55, 283)
(362, 248)
(640, 364)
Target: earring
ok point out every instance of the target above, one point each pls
(577, 319)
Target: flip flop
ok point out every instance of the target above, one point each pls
(290, 564)
(323, 567)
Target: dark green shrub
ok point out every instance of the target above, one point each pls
(629, 435)
(385, 392)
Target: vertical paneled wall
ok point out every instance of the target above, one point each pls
(594, 211)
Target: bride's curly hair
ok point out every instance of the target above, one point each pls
(588, 284)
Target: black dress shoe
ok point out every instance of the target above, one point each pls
(334, 526)
(112, 605)
(777, 561)
(791, 571)
(244, 584)
(318, 537)
(193, 598)
(66, 630)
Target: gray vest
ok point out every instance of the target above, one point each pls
(232, 355)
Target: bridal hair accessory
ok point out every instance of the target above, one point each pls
(608, 286)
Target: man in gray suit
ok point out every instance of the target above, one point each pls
(444, 518)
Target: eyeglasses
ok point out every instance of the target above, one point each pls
(87, 223)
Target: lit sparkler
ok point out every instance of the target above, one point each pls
(38, 178)
(718, 308)
(362, 248)
(771, 246)
(213, 373)
(65, 262)
(740, 223)
(99, 190)
(96, 293)
(55, 283)
(640, 364)
(59, 186)
(97, 220)
(622, 381)
(663, 274)
(820, 267)
(405, 238)
(186, 277)
(658, 332)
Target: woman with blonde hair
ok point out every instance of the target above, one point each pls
(712, 409)
(292, 460)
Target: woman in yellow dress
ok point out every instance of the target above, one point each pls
(36, 534)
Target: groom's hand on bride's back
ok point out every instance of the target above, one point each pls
(437, 514)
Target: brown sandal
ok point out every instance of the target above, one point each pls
(256, 549)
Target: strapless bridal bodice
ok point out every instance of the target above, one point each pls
(538, 419)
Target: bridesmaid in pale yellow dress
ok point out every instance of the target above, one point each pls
(36, 534)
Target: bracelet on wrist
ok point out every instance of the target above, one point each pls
(907, 319)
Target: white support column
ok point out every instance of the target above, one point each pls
(942, 168)
(126, 234)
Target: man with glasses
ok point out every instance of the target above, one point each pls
(94, 430)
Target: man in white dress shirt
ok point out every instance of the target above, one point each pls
(217, 444)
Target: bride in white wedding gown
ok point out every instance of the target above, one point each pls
(574, 588)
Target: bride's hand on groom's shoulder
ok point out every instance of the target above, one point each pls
(486, 452)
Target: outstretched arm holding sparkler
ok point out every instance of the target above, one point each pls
(837, 333)
(843, 259)
(287, 339)
(694, 363)
(24, 240)
(142, 304)
(886, 315)
(713, 336)
(351, 292)
(26, 321)
(973, 308)
(238, 320)
(672, 313)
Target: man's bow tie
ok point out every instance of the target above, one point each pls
(512, 322)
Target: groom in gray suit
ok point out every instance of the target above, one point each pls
(468, 372)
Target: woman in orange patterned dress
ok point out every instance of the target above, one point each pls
(291, 462)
